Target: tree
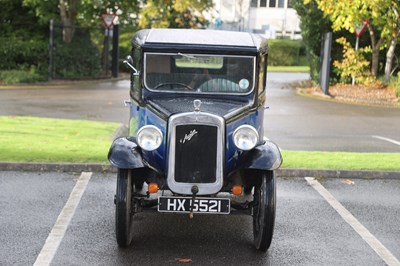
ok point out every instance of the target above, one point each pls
(384, 24)
(174, 13)
(23, 44)
(313, 25)
(68, 11)
(18, 20)
(91, 11)
(84, 13)
(393, 31)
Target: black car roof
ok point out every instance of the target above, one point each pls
(192, 38)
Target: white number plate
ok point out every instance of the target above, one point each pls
(200, 205)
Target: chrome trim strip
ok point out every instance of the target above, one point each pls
(201, 119)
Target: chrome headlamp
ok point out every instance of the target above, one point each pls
(245, 137)
(149, 138)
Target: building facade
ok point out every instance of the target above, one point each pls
(272, 18)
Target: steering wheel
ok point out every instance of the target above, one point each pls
(171, 84)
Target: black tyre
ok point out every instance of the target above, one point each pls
(124, 207)
(264, 211)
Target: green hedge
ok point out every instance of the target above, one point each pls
(21, 76)
(23, 60)
(286, 53)
(19, 53)
(26, 59)
(78, 59)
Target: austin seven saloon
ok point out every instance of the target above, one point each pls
(196, 143)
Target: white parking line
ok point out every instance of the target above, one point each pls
(374, 243)
(56, 235)
(387, 139)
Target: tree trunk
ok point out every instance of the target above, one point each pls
(389, 57)
(68, 32)
(68, 9)
(375, 61)
(375, 51)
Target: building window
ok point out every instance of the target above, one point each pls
(254, 3)
(271, 3)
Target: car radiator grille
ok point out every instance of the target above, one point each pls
(196, 148)
(196, 153)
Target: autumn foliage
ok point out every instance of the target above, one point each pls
(354, 64)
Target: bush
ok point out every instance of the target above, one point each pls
(20, 54)
(353, 64)
(125, 46)
(314, 24)
(21, 76)
(78, 59)
(395, 83)
(286, 53)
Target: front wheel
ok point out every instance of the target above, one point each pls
(264, 210)
(124, 207)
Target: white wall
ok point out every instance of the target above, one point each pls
(282, 21)
(238, 15)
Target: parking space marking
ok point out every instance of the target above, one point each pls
(56, 235)
(371, 240)
(387, 139)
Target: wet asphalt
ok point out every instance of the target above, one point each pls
(308, 231)
(99, 101)
(302, 123)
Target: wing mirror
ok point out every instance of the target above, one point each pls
(129, 62)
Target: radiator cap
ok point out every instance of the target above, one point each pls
(197, 104)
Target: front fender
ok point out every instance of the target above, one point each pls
(263, 157)
(125, 154)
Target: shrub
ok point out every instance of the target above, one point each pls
(78, 59)
(353, 64)
(125, 46)
(21, 54)
(21, 76)
(314, 24)
(286, 53)
(395, 83)
(398, 85)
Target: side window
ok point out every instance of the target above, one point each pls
(262, 76)
(135, 80)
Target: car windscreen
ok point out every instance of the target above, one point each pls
(199, 73)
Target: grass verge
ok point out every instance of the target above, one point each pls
(302, 69)
(341, 160)
(32, 139)
(46, 140)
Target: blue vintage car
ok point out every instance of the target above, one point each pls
(196, 140)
